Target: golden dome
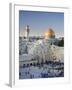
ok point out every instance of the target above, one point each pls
(49, 34)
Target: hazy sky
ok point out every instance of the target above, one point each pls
(39, 22)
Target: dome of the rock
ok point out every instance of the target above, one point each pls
(49, 34)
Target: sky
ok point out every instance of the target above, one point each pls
(39, 22)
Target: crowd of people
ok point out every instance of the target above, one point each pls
(42, 70)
